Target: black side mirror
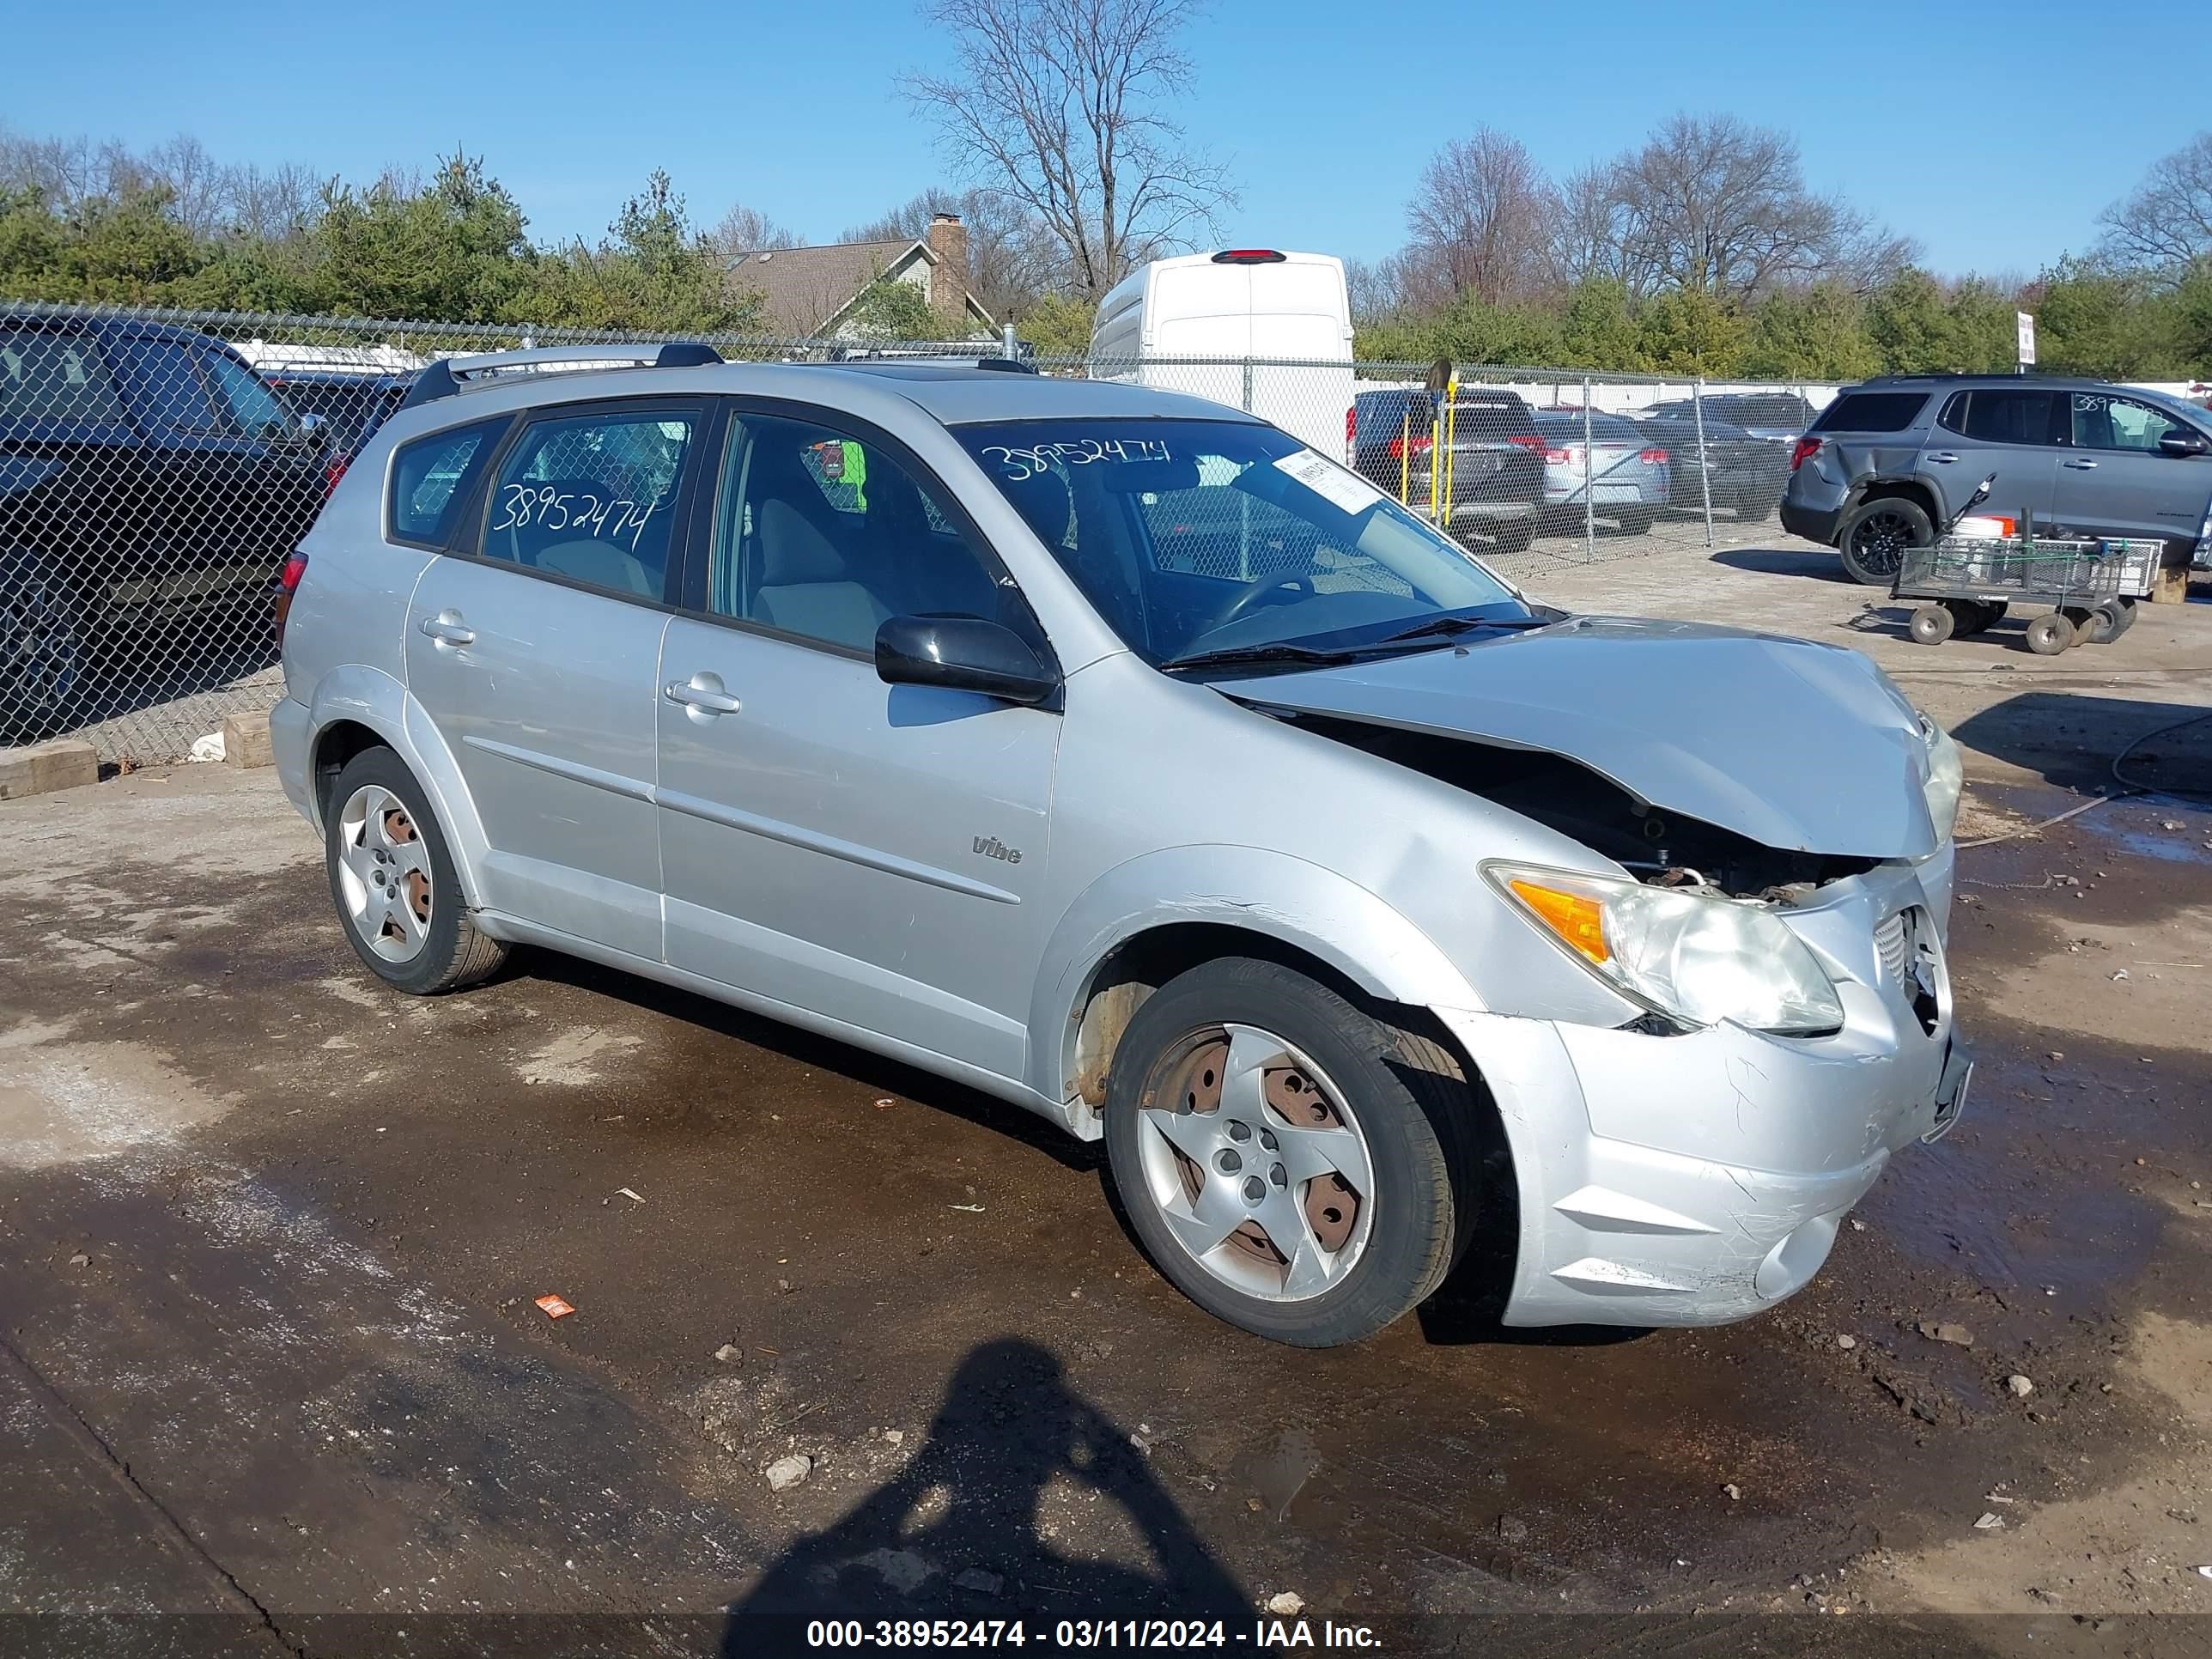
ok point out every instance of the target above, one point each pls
(2183, 444)
(963, 653)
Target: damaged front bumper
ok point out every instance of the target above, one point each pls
(1699, 1178)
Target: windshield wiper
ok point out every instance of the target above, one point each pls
(1235, 656)
(1444, 628)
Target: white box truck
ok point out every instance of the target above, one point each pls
(1265, 309)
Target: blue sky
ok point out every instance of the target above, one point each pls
(1993, 133)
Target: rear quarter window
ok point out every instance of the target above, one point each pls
(432, 475)
(1872, 411)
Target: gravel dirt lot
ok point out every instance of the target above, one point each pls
(271, 1239)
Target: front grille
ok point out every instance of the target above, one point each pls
(1893, 944)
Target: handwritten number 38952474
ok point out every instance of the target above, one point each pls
(522, 505)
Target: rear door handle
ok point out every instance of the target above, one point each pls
(702, 694)
(2080, 466)
(447, 627)
(1942, 455)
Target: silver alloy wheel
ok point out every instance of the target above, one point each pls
(384, 872)
(1257, 1164)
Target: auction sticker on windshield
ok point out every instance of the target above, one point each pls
(1340, 489)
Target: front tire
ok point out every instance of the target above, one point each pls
(42, 650)
(1873, 536)
(1286, 1159)
(394, 882)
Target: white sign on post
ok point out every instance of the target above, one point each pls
(2026, 319)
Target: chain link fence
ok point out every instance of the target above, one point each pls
(157, 468)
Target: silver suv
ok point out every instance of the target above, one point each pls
(1112, 753)
(1889, 462)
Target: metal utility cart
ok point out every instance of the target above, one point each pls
(1966, 582)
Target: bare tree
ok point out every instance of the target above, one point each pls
(747, 230)
(1059, 107)
(1590, 232)
(1484, 212)
(1714, 204)
(2166, 224)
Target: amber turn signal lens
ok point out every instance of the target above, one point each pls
(1574, 918)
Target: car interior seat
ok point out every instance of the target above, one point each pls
(808, 573)
(580, 538)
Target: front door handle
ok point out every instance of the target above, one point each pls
(2080, 466)
(447, 627)
(702, 694)
(1942, 455)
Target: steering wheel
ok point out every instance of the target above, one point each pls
(1250, 594)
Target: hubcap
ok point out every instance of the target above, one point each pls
(383, 873)
(1256, 1165)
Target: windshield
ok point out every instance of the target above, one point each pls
(1205, 538)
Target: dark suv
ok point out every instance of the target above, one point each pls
(1889, 462)
(150, 482)
(1497, 467)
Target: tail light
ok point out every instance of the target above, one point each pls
(1535, 446)
(1248, 256)
(333, 469)
(1351, 424)
(1807, 448)
(1421, 446)
(287, 584)
(1653, 457)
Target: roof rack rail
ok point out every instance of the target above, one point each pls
(451, 374)
(892, 357)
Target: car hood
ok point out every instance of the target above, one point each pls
(1799, 746)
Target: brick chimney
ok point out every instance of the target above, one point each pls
(948, 278)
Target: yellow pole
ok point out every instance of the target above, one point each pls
(1436, 460)
(1405, 454)
(1451, 429)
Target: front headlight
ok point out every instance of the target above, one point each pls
(1699, 958)
(1946, 777)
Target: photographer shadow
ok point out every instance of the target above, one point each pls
(962, 1532)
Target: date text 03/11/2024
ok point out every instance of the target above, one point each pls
(1291, 1635)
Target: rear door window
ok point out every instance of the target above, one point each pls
(432, 475)
(1872, 411)
(171, 387)
(2005, 417)
(592, 498)
(46, 375)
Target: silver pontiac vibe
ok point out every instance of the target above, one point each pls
(1112, 753)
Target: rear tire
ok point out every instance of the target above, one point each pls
(1758, 512)
(2050, 634)
(1636, 521)
(1361, 1206)
(1874, 534)
(392, 881)
(1513, 537)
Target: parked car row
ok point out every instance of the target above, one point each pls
(151, 477)
(1890, 463)
(1515, 471)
